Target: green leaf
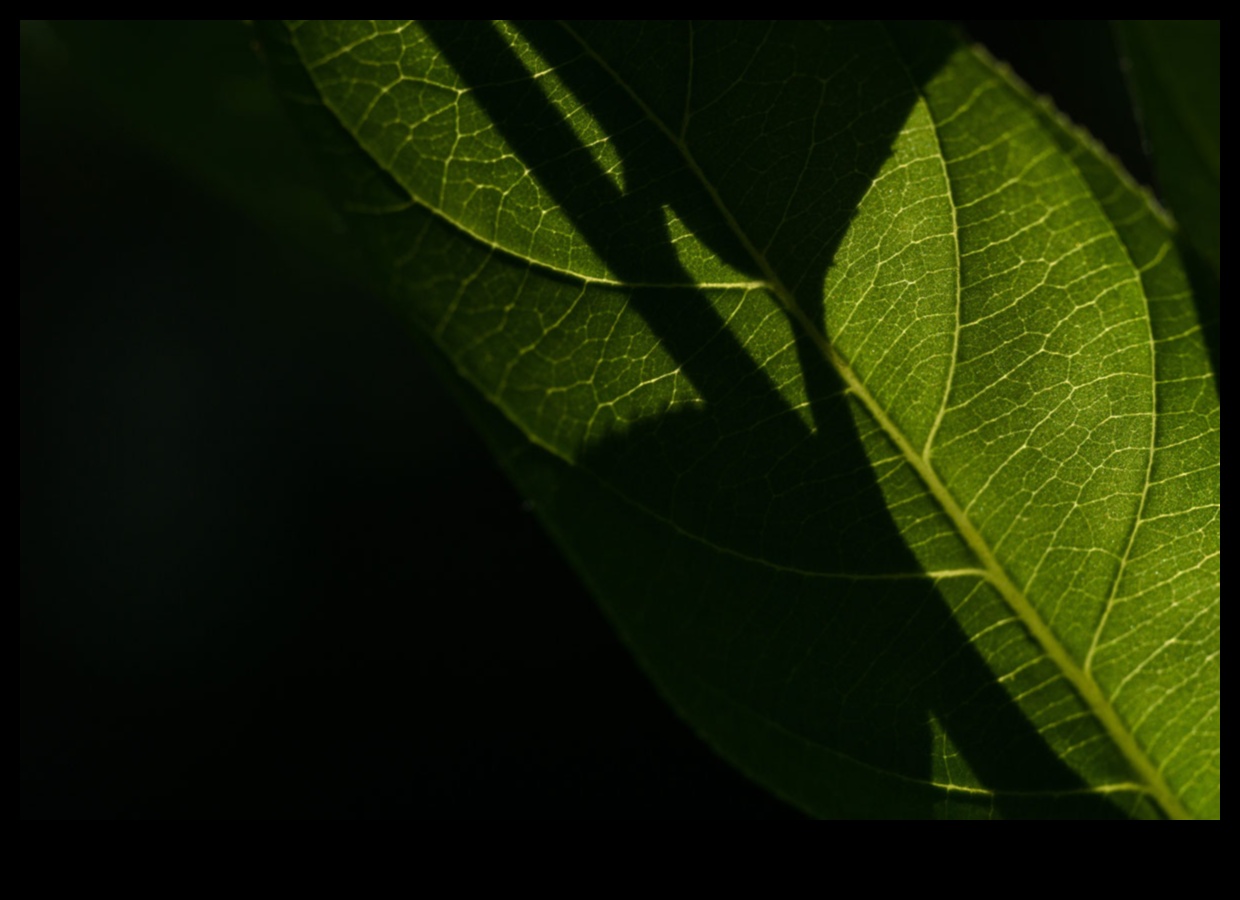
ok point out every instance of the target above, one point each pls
(1175, 74)
(867, 395)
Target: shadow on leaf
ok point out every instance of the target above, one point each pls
(744, 550)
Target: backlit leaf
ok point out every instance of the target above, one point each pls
(867, 395)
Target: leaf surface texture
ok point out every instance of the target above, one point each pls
(867, 394)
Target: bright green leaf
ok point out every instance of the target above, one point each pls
(868, 396)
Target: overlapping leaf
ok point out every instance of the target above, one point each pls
(867, 395)
(1174, 72)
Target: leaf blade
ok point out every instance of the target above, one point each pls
(628, 365)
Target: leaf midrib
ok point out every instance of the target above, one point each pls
(1087, 688)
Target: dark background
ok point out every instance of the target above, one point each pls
(266, 568)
